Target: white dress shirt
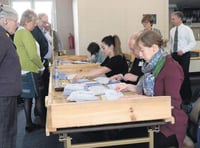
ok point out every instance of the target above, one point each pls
(186, 40)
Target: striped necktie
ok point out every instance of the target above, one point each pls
(175, 47)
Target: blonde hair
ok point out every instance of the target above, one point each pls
(28, 16)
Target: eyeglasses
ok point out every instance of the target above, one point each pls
(44, 22)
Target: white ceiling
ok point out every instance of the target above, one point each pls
(186, 3)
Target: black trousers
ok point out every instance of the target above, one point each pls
(184, 61)
(8, 119)
(45, 77)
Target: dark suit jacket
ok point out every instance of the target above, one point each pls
(41, 39)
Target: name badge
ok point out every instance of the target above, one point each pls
(141, 63)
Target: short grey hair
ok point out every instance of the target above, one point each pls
(179, 14)
(40, 15)
(7, 12)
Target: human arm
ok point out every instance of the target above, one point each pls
(186, 40)
(4, 47)
(130, 77)
(126, 87)
(169, 83)
(31, 48)
(117, 77)
(91, 74)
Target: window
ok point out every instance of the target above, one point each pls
(39, 6)
(20, 7)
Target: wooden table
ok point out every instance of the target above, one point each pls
(128, 112)
(73, 57)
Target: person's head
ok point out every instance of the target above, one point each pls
(111, 45)
(131, 44)
(28, 19)
(149, 43)
(47, 27)
(8, 18)
(42, 20)
(147, 21)
(177, 18)
(93, 48)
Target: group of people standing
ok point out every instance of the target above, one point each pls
(24, 65)
(154, 73)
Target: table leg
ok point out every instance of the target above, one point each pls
(151, 138)
(66, 140)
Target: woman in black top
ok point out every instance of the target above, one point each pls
(115, 62)
(135, 72)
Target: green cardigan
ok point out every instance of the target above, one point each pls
(27, 50)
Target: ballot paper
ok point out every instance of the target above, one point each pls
(62, 76)
(111, 94)
(80, 96)
(102, 80)
(98, 89)
(113, 85)
(69, 88)
(71, 76)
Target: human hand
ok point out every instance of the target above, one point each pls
(125, 87)
(78, 77)
(121, 87)
(117, 77)
(180, 53)
(41, 71)
(130, 77)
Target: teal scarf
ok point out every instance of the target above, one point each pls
(151, 70)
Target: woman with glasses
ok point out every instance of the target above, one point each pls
(147, 22)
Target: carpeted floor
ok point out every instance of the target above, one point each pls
(35, 139)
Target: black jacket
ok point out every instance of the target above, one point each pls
(41, 39)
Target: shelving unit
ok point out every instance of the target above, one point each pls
(192, 19)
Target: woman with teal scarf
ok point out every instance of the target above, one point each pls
(163, 76)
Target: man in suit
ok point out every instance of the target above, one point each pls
(43, 80)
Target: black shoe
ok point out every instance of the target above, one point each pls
(32, 127)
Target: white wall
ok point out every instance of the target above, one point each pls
(64, 17)
(98, 18)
